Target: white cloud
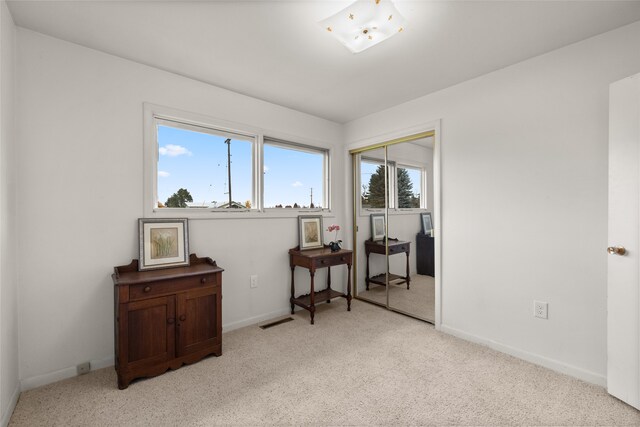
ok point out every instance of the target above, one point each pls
(266, 168)
(297, 184)
(172, 150)
(163, 174)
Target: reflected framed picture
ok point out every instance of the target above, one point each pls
(377, 227)
(310, 231)
(427, 223)
(164, 243)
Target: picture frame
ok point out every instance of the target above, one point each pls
(163, 243)
(378, 227)
(310, 232)
(426, 222)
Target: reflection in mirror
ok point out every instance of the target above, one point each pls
(411, 252)
(370, 221)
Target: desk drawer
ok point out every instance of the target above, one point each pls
(168, 287)
(333, 260)
(398, 249)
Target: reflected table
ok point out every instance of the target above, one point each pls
(395, 247)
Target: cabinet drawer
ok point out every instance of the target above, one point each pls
(168, 287)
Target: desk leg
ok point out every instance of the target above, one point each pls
(329, 283)
(367, 278)
(408, 277)
(293, 288)
(348, 287)
(312, 305)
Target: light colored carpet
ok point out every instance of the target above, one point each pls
(419, 299)
(368, 366)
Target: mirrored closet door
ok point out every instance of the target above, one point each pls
(393, 202)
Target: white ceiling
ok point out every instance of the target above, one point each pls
(276, 51)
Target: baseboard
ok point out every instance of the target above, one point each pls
(536, 359)
(6, 417)
(62, 374)
(253, 320)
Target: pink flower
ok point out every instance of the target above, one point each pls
(333, 228)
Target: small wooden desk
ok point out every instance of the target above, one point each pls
(395, 247)
(313, 259)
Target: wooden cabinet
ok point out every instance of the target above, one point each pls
(425, 262)
(166, 318)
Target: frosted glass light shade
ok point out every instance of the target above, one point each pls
(365, 23)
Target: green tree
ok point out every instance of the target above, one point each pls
(376, 188)
(179, 199)
(406, 198)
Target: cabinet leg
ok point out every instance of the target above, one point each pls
(122, 384)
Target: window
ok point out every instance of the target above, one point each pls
(200, 167)
(197, 166)
(404, 190)
(372, 184)
(409, 182)
(294, 175)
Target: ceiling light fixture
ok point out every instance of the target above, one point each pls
(365, 23)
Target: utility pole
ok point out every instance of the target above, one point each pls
(228, 142)
(311, 205)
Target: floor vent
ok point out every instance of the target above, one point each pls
(276, 323)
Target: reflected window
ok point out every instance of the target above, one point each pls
(409, 182)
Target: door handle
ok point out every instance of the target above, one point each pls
(616, 250)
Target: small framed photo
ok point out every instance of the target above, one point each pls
(427, 223)
(310, 231)
(377, 227)
(164, 243)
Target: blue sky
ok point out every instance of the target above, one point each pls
(198, 162)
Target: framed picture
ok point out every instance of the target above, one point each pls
(310, 231)
(164, 243)
(377, 227)
(427, 223)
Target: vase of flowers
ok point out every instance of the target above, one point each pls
(335, 244)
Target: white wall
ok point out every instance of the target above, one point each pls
(524, 199)
(9, 386)
(79, 118)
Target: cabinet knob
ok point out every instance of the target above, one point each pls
(171, 320)
(323, 261)
(147, 289)
(342, 259)
(203, 280)
(183, 318)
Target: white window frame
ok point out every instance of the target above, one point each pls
(393, 186)
(326, 160)
(155, 114)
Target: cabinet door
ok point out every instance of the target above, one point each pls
(199, 320)
(147, 332)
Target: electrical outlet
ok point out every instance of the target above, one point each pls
(254, 281)
(541, 309)
(83, 368)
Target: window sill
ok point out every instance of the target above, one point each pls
(208, 214)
